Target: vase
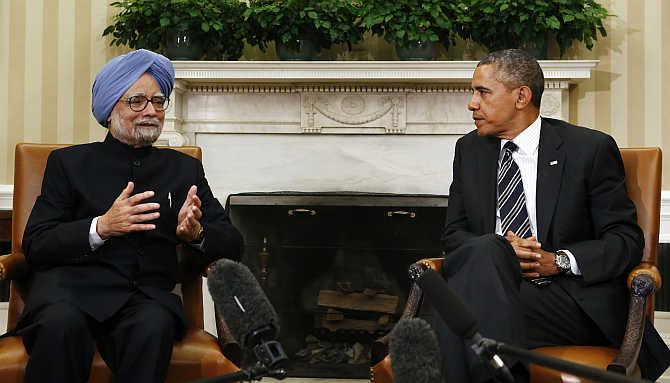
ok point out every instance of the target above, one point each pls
(302, 49)
(182, 45)
(536, 48)
(416, 51)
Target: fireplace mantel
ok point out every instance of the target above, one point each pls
(357, 71)
(338, 97)
(369, 126)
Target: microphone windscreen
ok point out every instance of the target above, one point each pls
(448, 305)
(241, 301)
(415, 354)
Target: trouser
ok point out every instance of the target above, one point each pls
(136, 342)
(485, 273)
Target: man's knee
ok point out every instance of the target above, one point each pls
(478, 253)
(153, 320)
(60, 326)
(62, 319)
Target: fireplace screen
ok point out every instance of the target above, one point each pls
(334, 266)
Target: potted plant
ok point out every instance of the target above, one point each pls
(581, 20)
(500, 24)
(414, 26)
(181, 29)
(300, 28)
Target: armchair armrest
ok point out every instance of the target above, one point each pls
(380, 346)
(13, 266)
(192, 263)
(642, 282)
(229, 346)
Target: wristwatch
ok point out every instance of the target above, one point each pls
(563, 262)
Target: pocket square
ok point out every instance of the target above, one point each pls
(552, 163)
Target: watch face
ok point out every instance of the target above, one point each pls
(562, 261)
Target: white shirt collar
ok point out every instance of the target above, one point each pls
(529, 139)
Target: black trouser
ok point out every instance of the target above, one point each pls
(136, 342)
(485, 273)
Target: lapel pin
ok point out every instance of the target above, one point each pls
(552, 163)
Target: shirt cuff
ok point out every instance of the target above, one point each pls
(574, 267)
(94, 239)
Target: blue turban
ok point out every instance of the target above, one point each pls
(121, 72)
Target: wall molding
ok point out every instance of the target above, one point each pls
(6, 196)
(7, 193)
(664, 236)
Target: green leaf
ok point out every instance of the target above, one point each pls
(553, 23)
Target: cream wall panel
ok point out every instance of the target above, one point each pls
(14, 80)
(653, 43)
(32, 115)
(50, 78)
(618, 50)
(664, 79)
(66, 71)
(82, 85)
(4, 90)
(97, 58)
(636, 78)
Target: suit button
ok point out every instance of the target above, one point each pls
(140, 252)
(137, 163)
(133, 284)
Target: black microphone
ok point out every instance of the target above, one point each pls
(457, 316)
(415, 354)
(250, 316)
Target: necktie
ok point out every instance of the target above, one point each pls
(511, 198)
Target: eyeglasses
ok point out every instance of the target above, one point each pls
(138, 103)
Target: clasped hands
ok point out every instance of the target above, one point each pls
(130, 214)
(534, 261)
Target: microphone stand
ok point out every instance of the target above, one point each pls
(257, 372)
(572, 368)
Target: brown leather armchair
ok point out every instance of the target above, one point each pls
(643, 182)
(197, 356)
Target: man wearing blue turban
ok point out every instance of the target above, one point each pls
(101, 238)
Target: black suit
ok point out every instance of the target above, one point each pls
(582, 206)
(80, 183)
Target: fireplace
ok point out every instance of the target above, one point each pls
(369, 126)
(334, 265)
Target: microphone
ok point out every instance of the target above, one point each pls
(415, 354)
(250, 316)
(457, 316)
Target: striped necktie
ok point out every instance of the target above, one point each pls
(511, 198)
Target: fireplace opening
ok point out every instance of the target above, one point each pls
(334, 265)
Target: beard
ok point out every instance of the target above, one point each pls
(144, 132)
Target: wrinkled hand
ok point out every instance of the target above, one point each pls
(188, 220)
(128, 214)
(534, 261)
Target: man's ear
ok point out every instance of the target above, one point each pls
(525, 97)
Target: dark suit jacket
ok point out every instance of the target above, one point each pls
(80, 183)
(582, 206)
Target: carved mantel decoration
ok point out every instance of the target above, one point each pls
(338, 97)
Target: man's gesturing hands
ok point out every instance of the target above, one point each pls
(188, 220)
(128, 214)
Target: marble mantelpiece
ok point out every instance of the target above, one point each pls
(379, 126)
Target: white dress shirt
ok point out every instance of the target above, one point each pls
(528, 142)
